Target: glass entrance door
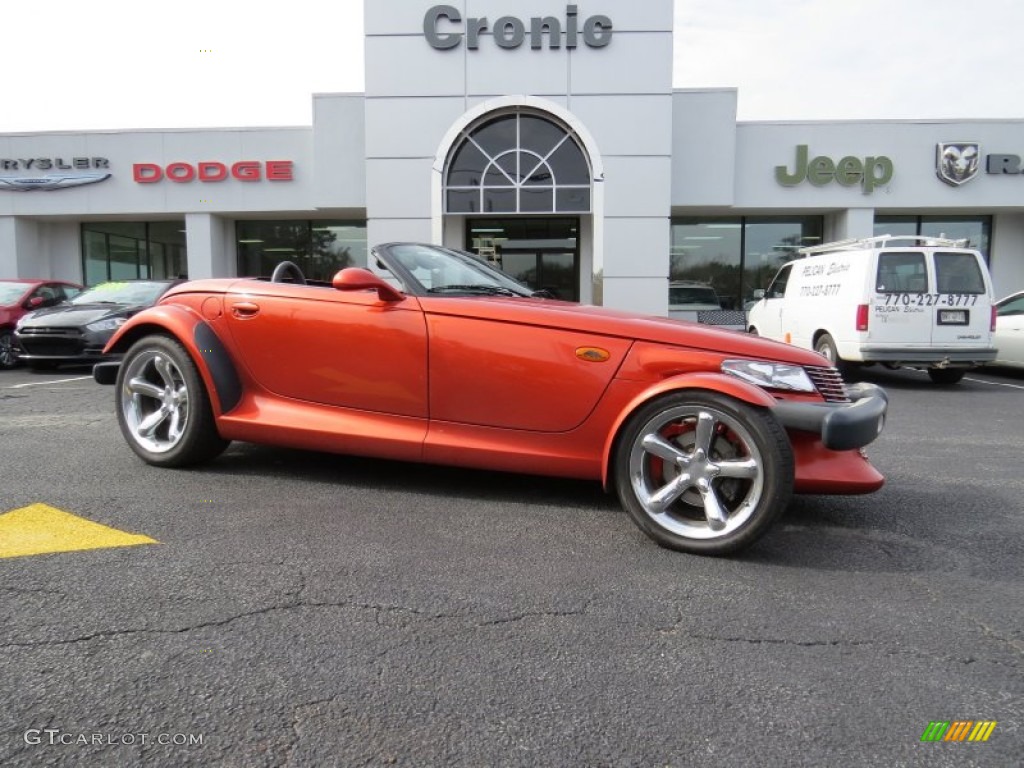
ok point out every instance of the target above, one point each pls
(543, 253)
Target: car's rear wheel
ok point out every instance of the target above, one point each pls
(8, 358)
(163, 407)
(946, 377)
(703, 473)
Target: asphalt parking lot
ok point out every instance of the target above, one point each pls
(311, 610)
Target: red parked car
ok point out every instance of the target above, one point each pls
(20, 296)
(437, 357)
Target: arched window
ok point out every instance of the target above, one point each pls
(517, 163)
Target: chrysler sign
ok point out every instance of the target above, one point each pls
(444, 29)
(67, 172)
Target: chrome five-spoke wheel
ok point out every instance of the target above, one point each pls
(155, 401)
(701, 472)
(163, 407)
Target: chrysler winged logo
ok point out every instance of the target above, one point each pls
(53, 181)
(956, 162)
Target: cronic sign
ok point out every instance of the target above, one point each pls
(444, 29)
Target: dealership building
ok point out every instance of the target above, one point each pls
(544, 136)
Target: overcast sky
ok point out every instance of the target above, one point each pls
(95, 64)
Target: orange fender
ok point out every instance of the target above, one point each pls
(712, 382)
(201, 342)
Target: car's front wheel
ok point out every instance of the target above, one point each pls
(703, 473)
(8, 357)
(163, 407)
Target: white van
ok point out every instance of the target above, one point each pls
(913, 302)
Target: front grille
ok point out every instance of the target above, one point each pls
(51, 347)
(63, 333)
(828, 382)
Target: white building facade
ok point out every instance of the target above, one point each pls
(544, 136)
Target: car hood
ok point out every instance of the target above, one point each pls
(610, 322)
(75, 315)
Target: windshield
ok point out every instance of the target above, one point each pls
(11, 292)
(131, 294)
(443, 271)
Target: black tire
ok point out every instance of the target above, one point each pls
(163, 407)
(753, 331)
(745, 472)
(946, 377)
(826, 347)
(8, 357)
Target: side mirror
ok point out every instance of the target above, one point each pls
(358, 279)
(35, 302)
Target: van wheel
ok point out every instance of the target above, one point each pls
(826, 347)
(946, 377)
(753, 331)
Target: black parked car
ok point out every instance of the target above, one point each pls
(77, 330)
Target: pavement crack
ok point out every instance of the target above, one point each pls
(111, 633)
(775, 640)
(526, 615)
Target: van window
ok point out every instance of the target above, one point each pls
(958, 273)
(778, 287)
(901, 272)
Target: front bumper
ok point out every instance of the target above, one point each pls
(61, 345)
(842, 426)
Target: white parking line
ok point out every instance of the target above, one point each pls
(42, 383)
(994, 383)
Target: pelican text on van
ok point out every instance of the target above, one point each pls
(869, 173)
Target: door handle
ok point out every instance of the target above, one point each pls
(245, 309)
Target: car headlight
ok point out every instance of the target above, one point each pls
(22, 320)
(110, 324)
(770, 375)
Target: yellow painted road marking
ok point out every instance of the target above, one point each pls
(39, 529)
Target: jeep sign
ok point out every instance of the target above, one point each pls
(869, 173)
(443, 28)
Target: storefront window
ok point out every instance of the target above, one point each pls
(737, 255)
(319, 248)
(976, 230)
(129, 250)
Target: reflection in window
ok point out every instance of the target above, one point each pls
(976, 230)
(738, 255)
(129, 250)
(319, 248)
(518, 163)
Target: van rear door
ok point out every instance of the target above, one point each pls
(901, 311)
(962, 314)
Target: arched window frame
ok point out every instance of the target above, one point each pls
(566, 203)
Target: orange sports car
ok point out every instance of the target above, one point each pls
(435, 356)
